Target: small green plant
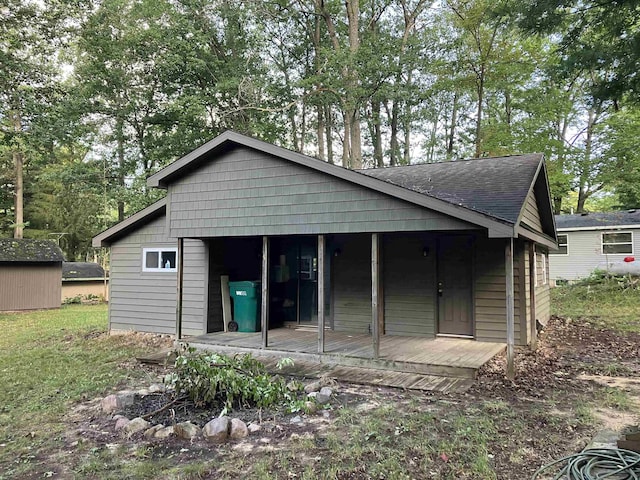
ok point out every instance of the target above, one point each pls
(241, 381)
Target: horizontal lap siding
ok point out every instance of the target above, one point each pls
(141, 301)
(490, 302)
(543, 291)
(585, 254)
(409, 285)
(246, 193)
(30, 287)
(194, 287)
(146, 301)
(352, 284)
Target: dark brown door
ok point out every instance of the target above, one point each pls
(455, 294)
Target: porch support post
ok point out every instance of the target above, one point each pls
(532, 295)
(510, 309)
(321, 252)
(376, 284)
(264, 311)
(179, 285)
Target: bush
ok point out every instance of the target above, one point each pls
(212, 379)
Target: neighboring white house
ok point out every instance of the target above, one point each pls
(604, 241)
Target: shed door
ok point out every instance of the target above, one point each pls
(455, 294)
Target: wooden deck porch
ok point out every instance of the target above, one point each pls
(432, 356)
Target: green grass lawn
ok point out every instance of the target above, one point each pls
(51, 362)
(612, 303)
(48, 360)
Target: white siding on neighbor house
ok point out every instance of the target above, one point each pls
(585, 254)
(146, 301)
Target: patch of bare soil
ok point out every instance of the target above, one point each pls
(534, 419)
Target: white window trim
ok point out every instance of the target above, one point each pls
(565, 244)
(544, 268)
(159, 250)
(602, 244)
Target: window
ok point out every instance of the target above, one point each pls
(618, 243)
(543, 257)
(563, 245)
(159, 259)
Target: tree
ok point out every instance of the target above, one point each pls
(31, 32)
(598, 36)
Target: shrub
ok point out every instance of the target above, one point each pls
(218, 380)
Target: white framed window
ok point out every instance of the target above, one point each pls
(543, 258)
(617, 243)
(159, 259)
(563, 245)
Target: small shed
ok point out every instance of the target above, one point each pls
(30, 274)
(83, 279)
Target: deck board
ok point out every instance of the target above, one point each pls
(437, 357)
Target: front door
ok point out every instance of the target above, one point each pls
(455, 312)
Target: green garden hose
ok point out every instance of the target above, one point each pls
(595, 464)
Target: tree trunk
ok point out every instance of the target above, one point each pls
(18, 162)
(394, 144)
(320, 133)
(121, 165)
(480, 87)
(346, 139)
(377, 133)
(452, 127)
(328, 125)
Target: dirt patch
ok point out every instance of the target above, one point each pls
(508, 428)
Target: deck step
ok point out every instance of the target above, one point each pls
(377, 377)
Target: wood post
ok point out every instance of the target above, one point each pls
(321, 253)
(532, 295)
(264, 311)
(510, 309)
(376, 283)
(179, 288)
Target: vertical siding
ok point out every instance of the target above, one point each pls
(30, 287)
(585, 254)
(249, 193)
(146, 301)
(490, 299)
(531, 214)
(352, 284)
(409, 285)
(543, 293)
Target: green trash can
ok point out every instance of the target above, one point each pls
(246, 305)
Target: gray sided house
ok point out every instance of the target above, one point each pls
(596, 241)
(390, 263)
(30, 274)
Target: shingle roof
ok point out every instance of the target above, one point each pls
(611, 219)
(81, 270)
(495, 186)
(29, 250)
